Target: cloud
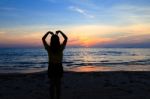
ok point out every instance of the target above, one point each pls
(11, 12)
(88, 4)
(129, 41)
(132, 13)
(8, 9)
(52, 1)
(2, 32)
(81, 11)
(133, 9)
(90, 35)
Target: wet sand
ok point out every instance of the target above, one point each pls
(78, 85)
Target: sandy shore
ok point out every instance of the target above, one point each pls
(75, 85)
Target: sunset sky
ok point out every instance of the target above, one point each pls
(87, 23)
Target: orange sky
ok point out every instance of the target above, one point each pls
(84, 35)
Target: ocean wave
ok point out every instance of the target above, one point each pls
(37, 58)
(106, 63)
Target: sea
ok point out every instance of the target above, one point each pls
(28, 60)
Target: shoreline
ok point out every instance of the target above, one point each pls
(88, 68)
(79, 85)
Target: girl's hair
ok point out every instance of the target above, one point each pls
(55, 44)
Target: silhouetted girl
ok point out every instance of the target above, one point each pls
(55, 56)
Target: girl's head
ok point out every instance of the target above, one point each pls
(55, 43)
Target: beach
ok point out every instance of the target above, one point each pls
(78, 85)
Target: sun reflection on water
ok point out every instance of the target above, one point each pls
(90, 69)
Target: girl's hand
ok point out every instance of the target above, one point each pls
(50, 32)
(57, 32)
